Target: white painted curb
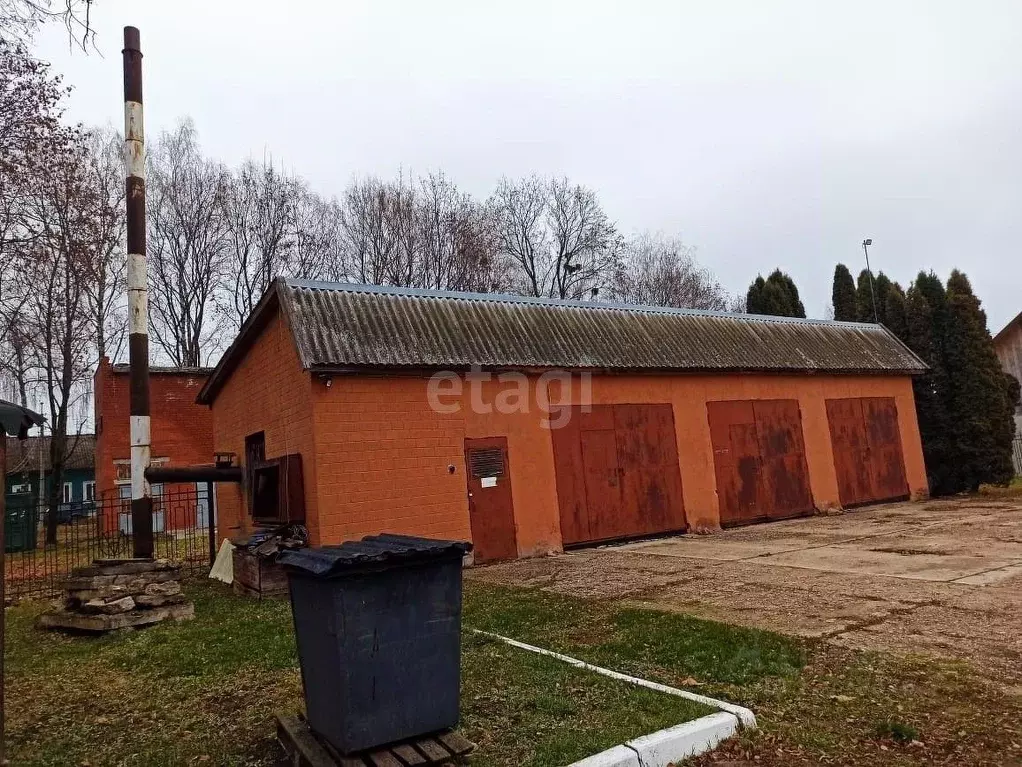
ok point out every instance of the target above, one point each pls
(745, 716)
(619, 756)
(658, 749)
(665, 747)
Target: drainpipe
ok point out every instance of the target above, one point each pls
(138, 299)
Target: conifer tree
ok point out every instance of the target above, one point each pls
(776, 295)
(865, 295)
(978, 404)
(843, 295)
(924, 304)
(894, 318)
(864, 299)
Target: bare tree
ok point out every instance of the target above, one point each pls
(259, 214)
(105, 271)
(315, 230)
(586, 244)
(518, 214)
(20, 19)
(17, 360)
(374, 233)
(420, 232)
(557, 235)
(31, 137)
(404, 222)
(454, 251)
(72, 211)
(189, 241)
(662, 271)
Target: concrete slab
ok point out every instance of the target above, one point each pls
(990, 577)
(857, 559)
(713, 549)
(941, 577)
(604, 573)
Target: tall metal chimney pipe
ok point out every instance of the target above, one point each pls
(138, 298)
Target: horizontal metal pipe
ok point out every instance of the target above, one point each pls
(172, 474)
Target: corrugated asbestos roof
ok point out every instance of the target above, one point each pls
(23, 455)
(122, 369)
(339, 327)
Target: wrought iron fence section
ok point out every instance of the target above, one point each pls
(98, 529)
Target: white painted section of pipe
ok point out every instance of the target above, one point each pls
(138, 307)
(744, 715)
(133, 123)
(138, 295)
(139, 462)
(139, 430)
(136, 277)
(134, 159)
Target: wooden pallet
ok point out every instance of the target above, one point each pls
(305, 749)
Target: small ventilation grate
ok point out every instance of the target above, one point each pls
(486, 463)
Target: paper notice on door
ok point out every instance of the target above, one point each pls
(488, 481)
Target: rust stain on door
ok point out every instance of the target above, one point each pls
(490, 505)
(617, 473)
(868, 456)
(759, 460)
(784, 472)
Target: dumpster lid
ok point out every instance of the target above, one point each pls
(385, 548)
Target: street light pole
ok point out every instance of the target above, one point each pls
(865, 249)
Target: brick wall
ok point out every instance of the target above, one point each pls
(376, 457)
(383, 458)
(382, 453)
(182, 431)
(268, 392)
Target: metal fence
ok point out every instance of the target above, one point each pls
(1016, 455)
(98, 529)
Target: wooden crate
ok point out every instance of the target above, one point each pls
(305, 749)
(258, 577)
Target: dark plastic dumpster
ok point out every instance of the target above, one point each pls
(21, 526)
(378, 626)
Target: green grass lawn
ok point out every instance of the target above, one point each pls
(815, 703)
(205, 691)
(645, 643)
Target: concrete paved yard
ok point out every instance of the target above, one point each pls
(940, 577)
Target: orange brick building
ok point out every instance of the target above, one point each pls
(182, 435)
(528, 425)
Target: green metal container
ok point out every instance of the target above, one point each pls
(21, 525)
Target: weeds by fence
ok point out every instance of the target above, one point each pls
(98, 529)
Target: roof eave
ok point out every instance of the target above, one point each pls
(16, 419)
(246, 337)
(1016, 320)
(339, 370)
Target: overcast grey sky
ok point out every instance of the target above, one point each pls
(765, 134)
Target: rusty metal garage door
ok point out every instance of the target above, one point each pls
(617, 473)
(866, 439)
(759, 460)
